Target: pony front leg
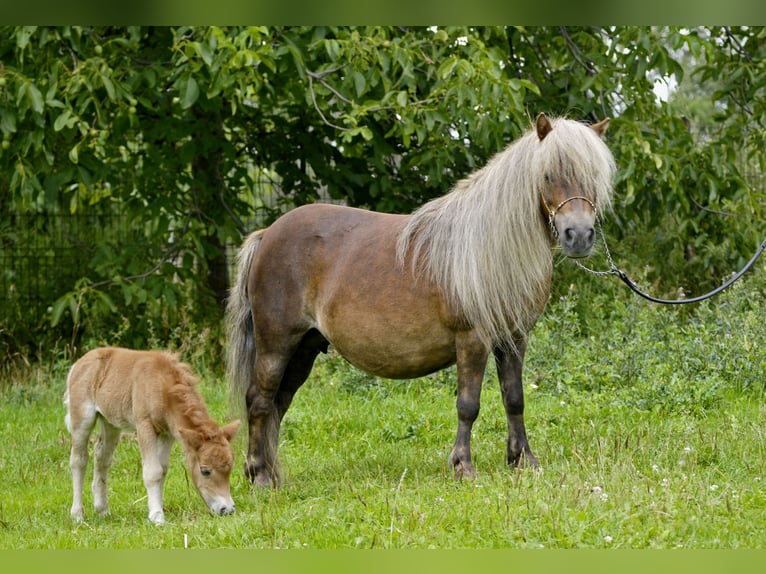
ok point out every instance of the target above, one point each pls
(509, 368)
(471, 362)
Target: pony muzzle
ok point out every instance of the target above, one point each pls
(574, 230)
(577, 240)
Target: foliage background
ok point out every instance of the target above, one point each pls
(181, 139)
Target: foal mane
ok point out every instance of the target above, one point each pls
(486, 243)
(187, 400)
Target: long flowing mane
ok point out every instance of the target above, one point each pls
(486, 243)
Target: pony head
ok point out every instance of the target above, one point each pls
(574, 171)
(211, 459)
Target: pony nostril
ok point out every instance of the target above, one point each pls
(569, 234)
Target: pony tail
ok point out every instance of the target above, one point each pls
(239, 326)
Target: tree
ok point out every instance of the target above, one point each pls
(179, 127)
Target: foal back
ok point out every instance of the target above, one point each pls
(123, 386)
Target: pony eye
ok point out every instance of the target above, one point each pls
(205, 471)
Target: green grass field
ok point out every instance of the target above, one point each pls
(649, 422)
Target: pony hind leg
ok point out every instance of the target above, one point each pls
(103, 454)
(261, 466)
(471, 362)
(509, 368)
(299, 368)
(267, 407)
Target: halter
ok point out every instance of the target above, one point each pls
(552, 212)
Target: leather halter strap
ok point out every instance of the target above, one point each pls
(552, 212)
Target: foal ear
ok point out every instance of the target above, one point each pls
(600, 127)
(191, 438)
(230, 430)
(543, 126)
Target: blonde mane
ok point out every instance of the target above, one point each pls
(486, 243)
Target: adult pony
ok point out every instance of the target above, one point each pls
(153, 393)
(401, 296)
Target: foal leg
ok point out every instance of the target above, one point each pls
(155, 454)
(103, 455)
(471, 362)
(80, 422)
(509, 367)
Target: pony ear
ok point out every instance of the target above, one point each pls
(230, 430)
(543, 126)
(190, 437)
(600, 127)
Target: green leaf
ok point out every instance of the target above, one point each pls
(57, 309)
(7, 121)
(445, 70)
(204, 51)
(106, 301)
(108, 86)
(359, 83)
(74, 153)
(35, 97)
(189, 93)
(366, 133)
(64, 119)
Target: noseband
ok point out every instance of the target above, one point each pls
(552, 212)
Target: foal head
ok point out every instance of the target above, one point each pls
(211, 459)
(576, 169)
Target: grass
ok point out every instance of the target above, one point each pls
(649, 423)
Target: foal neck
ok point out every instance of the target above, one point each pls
(187, 410)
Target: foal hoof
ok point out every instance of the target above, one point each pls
(157, 517)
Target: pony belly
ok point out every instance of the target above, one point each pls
(397, 358)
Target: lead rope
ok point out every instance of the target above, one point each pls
(614, 270)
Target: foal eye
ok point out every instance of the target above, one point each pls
(205, 471)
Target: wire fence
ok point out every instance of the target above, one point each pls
(42, 256)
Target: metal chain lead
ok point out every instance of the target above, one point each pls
(613, 270)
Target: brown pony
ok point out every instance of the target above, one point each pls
(400, 296)
(152, 393)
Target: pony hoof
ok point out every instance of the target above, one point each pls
(524, 460)
(258, 476)
(465, 471)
